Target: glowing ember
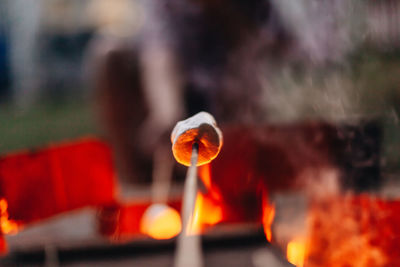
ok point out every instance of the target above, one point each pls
(296, 251)
(7, 226)
(357, 231)
(161, 222)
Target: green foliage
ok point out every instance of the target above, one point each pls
(43, 124)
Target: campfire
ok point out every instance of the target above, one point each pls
(342, 226)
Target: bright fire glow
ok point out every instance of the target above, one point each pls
(296, 251)
(206, 213)
(205, 176)
(350, 230)
(7, 226)
(161, 222)
(267, 219)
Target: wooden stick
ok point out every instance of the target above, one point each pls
(189, 246)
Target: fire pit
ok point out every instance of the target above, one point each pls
(238, 213)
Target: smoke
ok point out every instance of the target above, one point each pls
(292, 96)
(324, 31)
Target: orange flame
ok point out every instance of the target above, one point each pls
(353, 230)
(296, 252)
(267, 220)
(7, 226)
(207, 211)
(268, 215)
(205, 176)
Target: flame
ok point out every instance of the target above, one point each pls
(296, 252)
(161, 222)
(7, 226)
(353, 230)
(207, 211)
(268, 215)
(205, 176)
(267, 219)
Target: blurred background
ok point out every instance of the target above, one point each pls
(128, 70)
(342, 62)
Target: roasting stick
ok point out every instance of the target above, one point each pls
(189, 251)
(190, 191)
(195, 141)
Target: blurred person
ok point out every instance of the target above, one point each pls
(180, 58)
(123, 57)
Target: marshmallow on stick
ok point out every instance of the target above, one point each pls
(201, 129)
